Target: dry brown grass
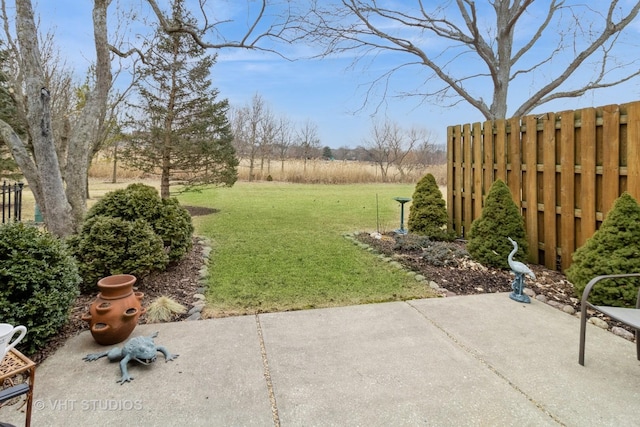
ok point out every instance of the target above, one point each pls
(334, 172)
(313, 171)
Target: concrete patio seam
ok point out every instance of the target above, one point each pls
(267, 374)
(490, 367)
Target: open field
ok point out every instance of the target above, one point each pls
(314, 171)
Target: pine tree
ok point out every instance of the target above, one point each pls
(182, 129)
(613, 249)
(428, 214)
(488, 243)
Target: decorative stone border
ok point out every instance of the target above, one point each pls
(195, 312)
(442, 292)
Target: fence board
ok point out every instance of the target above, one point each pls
(452, 137)
(488, 150)
(610, 156)
(530, 184)
(633, 151)
(477, 170)
(567, 184)
(564, 171)
(549, 189)
(500, 160)
(469, 190)
(587, 174)
(514, 161)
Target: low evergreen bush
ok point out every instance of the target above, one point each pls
(501, 218)
(428, 213)
(39, 281)
(613, 249)
(108, 246)
(166, 217)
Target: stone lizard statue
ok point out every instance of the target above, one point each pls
(140, 349)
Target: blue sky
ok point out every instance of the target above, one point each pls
(325, 91)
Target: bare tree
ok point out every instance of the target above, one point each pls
(415, 139)
(266, 21)
(379, 145)
(308, 140)
(268, 133)
(285, 139)
(477, 50)
(61, 197)
(246, 124)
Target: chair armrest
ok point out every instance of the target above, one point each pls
(13, 391)
(592, 283)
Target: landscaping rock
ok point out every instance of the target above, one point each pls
(599, 322)
(199, 296)
(541, 298)
(568, 309)
(396, 264)
(194, 316)
(555, 304)
(621, 332)
(195, 309)
(433, 285)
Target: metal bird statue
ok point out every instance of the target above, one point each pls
(520, 270)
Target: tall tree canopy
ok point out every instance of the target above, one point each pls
(481, 51)
(180, 128)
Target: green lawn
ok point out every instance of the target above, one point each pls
(279, 246)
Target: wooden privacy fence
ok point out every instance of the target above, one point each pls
(564, 171)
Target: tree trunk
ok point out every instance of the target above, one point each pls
(91, 117)
(44, 167)
(60, 195)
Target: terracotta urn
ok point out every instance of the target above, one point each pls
(114, 314)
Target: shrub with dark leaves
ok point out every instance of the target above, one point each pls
(39, 283)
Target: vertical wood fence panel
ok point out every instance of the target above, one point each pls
(567, 187)
(633, 151)
(564, 171)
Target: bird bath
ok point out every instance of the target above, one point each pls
(402, 201)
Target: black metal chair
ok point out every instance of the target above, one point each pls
(628, 316)
(10, 393)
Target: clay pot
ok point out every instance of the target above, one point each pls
(114, 314)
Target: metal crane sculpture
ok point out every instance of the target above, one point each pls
(520, 270)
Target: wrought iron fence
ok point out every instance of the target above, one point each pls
(11, 201)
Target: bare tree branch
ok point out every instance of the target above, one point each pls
(483, 48)
(250, 39)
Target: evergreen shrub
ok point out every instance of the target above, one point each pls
(428, 213)
(39, 283)
(501, 218)
(108, 246)
(166, 217)
(613, 249)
